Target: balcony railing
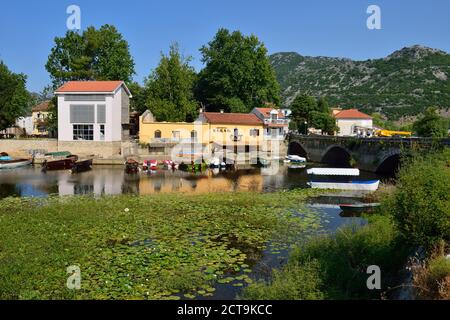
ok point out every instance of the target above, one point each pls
(276, 121)
(173, 140)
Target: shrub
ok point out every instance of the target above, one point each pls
(432, 280)
(421, 202)
(295, 282)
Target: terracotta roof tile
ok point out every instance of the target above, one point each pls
(90, 86)
(351, 114)
(43, 106)
(266, 112)
(232, 118)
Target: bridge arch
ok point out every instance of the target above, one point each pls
(295, 148)
(337, 155)
(389, 163)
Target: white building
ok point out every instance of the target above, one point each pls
(26, 124)
(276, 123)
(351, 122)
(93, 111)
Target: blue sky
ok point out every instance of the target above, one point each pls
(320, 27)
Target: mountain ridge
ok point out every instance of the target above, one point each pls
(401, 84)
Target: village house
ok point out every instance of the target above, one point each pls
(352, 122)
(40, 115)
(31, 125)
(215, 134)
(92, 116)
(276, 122)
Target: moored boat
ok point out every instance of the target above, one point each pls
(150, 165)
(333, 172)
(81, 166)
(17, 163)
(340, 179)
(362, 185)
(131, 166)
(59, 164)
(359, 207)
(294, 159)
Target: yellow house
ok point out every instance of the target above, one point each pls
(227, 136)
(40, 115)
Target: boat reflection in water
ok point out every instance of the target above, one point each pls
(112, 180)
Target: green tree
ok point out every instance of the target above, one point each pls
(238, 75)
(14, 97)
(100, 54)
(170, 88)
(139, 93)
(322, 105)
(312, 113)
(431, 124)
(302, 108)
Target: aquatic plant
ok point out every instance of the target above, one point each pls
(166, 246)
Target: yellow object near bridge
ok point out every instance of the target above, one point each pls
(389, 133)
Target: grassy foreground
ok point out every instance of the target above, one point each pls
(129, 247)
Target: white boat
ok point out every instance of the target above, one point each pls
(366, 185)
(12, 164)
(294, 159)
(333, 172)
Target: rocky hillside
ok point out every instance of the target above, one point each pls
(402, 84)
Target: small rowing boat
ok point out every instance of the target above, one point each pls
(359, 207)
(340, 179)
(81, 166)
(362, 185)
(131, 166)
(12, 164)
(294, 159)
(59, 164)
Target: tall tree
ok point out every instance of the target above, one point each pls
(170, 88)
(431, 124)
(307, 112)
(14, 97)
(100, 54)
(139, 93)
(302, 107)
(238, 75)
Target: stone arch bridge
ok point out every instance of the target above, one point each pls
(380, 155)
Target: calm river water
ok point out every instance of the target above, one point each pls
(112, 180)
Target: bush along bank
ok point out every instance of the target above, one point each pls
(415, 216)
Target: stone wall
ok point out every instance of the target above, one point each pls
(25, 147)
(97, 148)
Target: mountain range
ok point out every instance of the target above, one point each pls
(400, 85)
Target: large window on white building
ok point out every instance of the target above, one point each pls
(83, 132)
(82, 113)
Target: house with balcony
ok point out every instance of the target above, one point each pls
(234, 137)
(214, 134)
(163, 137)
(93, 116)
(276, 122)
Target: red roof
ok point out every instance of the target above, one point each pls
(43, 106)
(90, 86)
(352, 114)
(232, 118)
(266, 112)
